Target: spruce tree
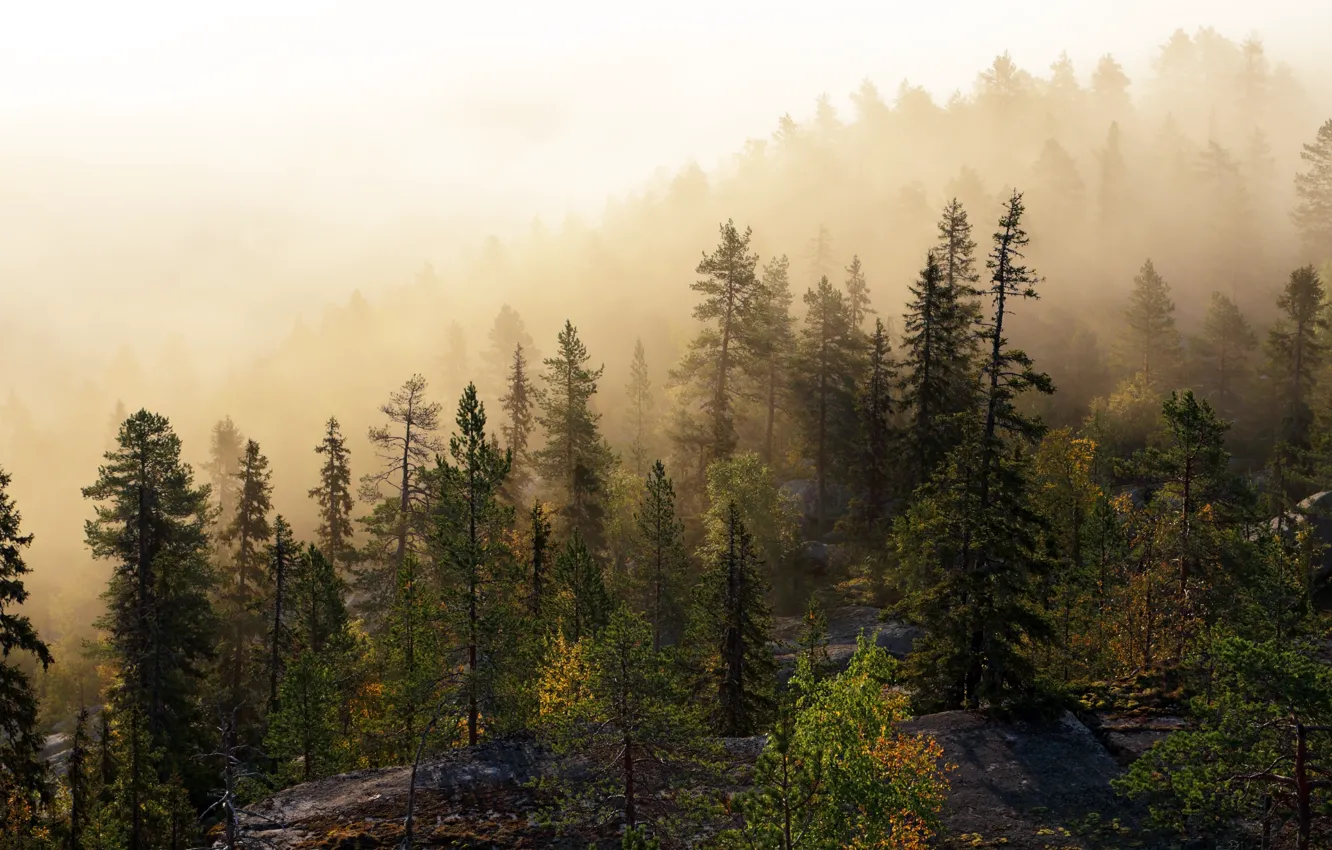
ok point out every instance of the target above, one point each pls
(519, 405)
(938, 381)
(970, 537)
(405, 446)
(248, 533)
(470, 531)
(1150, 342)
(876, 458)
(1295, 351)
(334, 497)
(303, 729)
(857, 294)
(575, 459)
(639, 392)
(660, 558)
(828, 362)
(1223, 353)
(20, 744)
(226, 448)
(151, 523)
(283, 556)
(77, 769)
(729, 286)
(506, 334)
(582, 601)
(539, 582)
(736, 606)
(318, 612)
(410, 649)
(1313, 214)
(773, 346)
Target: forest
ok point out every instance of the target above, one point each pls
(1043, 372)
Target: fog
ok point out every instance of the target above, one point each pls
(192, 198)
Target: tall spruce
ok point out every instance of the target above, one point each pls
(1295, 351)
(639, 392)
(956, 253)
(334, 497)
(538, 580)
(875, 463)
(318, 610)
(970, 536)
(1149, 344)
(773, 348)
(938, 371)
(151, 523)
(729, 285)
(575, 459)
(519, 405)
(470, 534)
(249, 533)
(660, 558)
(737, 606)
(581, 598)
(507, 334)
(283, 555)
(828, 362)
(406, 445)
(225, 450)
(857, 294)
(20, 744)
(1224, 353)
(1313, 214)
(77, 781)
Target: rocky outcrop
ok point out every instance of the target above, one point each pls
(844, 626)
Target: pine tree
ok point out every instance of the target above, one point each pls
(660, 559)
(1313, 214)
(282, 558)
(405, 446)
(729, 287)
(411, 652)
(828, 362)
(303, 728)
(1295, 351)
(20, 768)
(470, 531)
(742, 621)
(639, 392)
(938, 382)
(248, 532)
(773, 347)
(812, 645)
(318, 612)
(582, 600)
(334, 497)
(857, 294)
(1150, 343)
(519, 406)
(575, 458)
(151, 523)
(1224, 352)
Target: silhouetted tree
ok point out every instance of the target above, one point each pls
(639, 392)
(1313, 214)
(857, 294)
(660, 557)
(334, 497)
(519, 404)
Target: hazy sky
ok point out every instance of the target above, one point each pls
(278, 149)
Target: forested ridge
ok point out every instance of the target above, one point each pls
(1041, 371)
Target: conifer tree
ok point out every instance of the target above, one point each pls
(405, 446)
(857, 294)
(1313, 214)
(507, 334)
(471, 526)
(736, 605)
(729, 287)
(151, 523)
(773, 346)
(334, 497)
(813, 642)
(582, 600)
(970, 534)
(249, 532)
(876, 461)
(539, 583)
(938, 384)
(639, 392)
(318, 612)
(20, 768)
(1150, 343)
(828, 362)
(661, 560)
(1295, 351)
(819, 254)
(1224, 352)
(303, 729)
(225, 451)
(519, 405)
(77, 782)
(411, 650)
(575, 458)
(455, 367)
(282, 558)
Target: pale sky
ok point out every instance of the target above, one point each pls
(434, 123)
